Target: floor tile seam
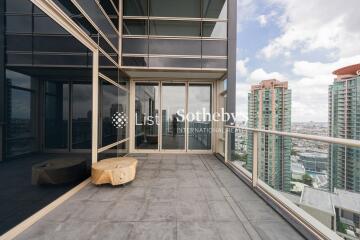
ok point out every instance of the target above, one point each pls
(229, 197)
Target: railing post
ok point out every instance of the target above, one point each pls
(226, 144)
(255, 159)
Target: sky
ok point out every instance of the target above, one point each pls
(301, 42)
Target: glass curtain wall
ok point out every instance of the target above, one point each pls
(48, 76)
(175, 34)
(147, 109)
(113, 112)
(200, 109)
(173, 126)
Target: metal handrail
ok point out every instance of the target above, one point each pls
(305, 219)
(333, 140)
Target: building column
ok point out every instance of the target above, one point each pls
(2, 81)
(231, 75)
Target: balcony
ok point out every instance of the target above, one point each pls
(173, 197)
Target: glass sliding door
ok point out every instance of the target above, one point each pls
(81, 115)
(173, 125)
(147, 106)
(56, 114)
(199, 112)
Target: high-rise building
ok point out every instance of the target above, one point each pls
(344, 122)
(269, 107)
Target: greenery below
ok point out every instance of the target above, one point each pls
(341, 227)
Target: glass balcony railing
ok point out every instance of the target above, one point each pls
(312, 179)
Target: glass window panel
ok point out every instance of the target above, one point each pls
(18, 6)
(215, 29)
(18, 79)
(173, 126)
(18, 59)
(135, 27)
(215, 9)
(44, 24)
(135, 7)
(214, 63)
(108, 7)
(199, 101)
(175, 8)
(175, 62)
(56, 114)
(123, 108)
(112, 73)
(58, 44)
(104, 45)
(175, 47)
(19, 24)
(63, 60)
(97, 16)
(147, 104)
(175, 28)
(104, 61)
(81, 115)
(135, 45)
(135, 61)
(214, 47)
(18, 43)
(109, 107)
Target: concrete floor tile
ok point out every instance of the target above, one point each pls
(193, 211)
(197, 231)
(153, 231)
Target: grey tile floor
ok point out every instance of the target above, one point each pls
(173, 197)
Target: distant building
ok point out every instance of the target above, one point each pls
(341, 207)
(297, 171)
(344, 122)
(314, 162)
(270, 108)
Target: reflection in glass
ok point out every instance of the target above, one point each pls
(214, 29)
(175, 8)
(175, 28)
(175, 62)
(135, 46)
(135, 27)
(56, 114)
(199, 127)
(173, 126)
(19, 24)
(146, 115)
(109, 103)
(135, 61)
(215, 9)
(135, 7)
(174, 46)
(214, 63)
(21, 128)
(214, 47)
(81, 115)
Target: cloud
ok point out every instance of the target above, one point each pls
(316, 24)
(246, 10)
(241, 67)
(262, 19)
(260, 74)
(310, 87)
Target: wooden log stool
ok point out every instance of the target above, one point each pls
(116, 171)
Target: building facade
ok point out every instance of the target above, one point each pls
(344, 122)
(269, 107)
(70, 69)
